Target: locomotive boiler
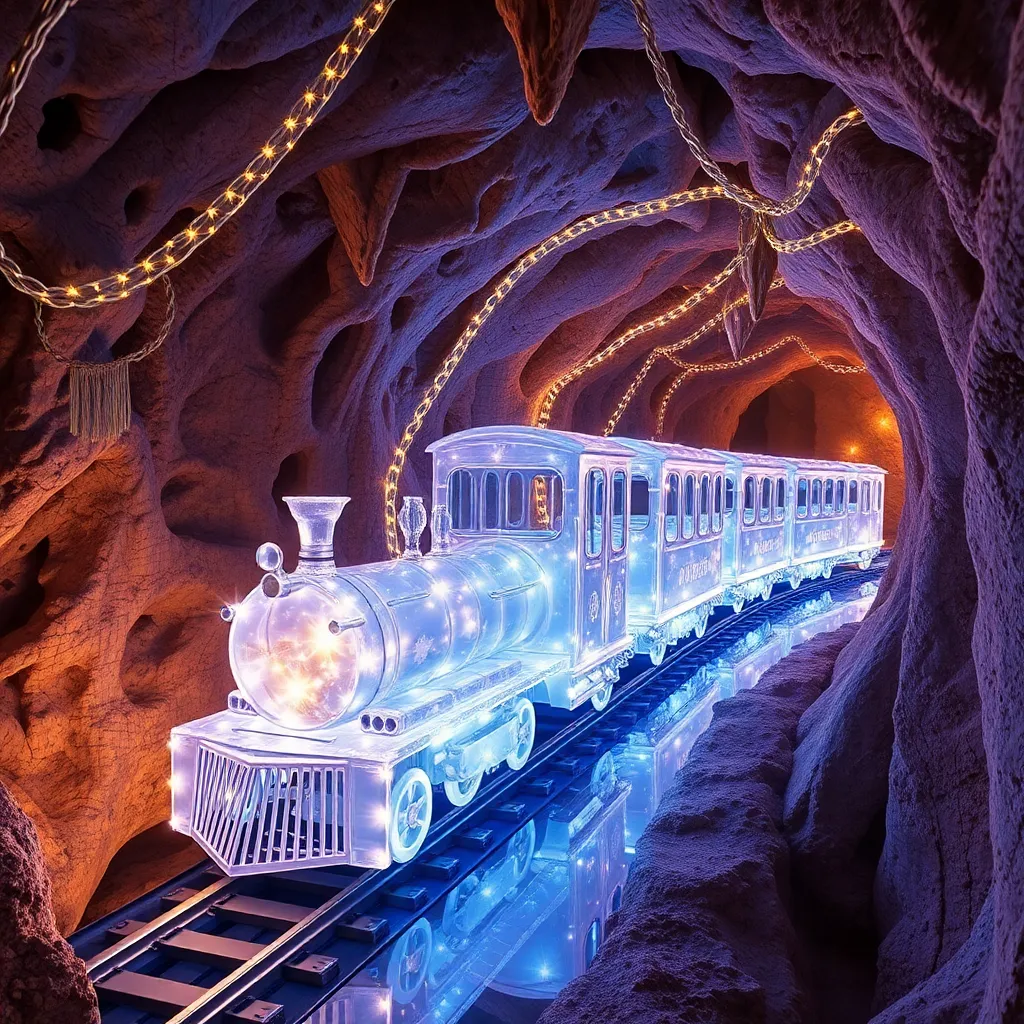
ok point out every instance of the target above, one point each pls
(316, 647)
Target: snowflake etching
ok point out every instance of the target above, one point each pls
(421, 649)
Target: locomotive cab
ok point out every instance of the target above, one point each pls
(564, 499)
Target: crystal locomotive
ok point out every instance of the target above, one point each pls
(555, 557)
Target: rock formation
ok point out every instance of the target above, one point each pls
(41, 979)
(310, 326)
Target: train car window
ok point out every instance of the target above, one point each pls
(730, 495)
(801, 498)
(639, 503)
(618, 510)
(546, 502)
(816, 498)
(593, 943)
(460, 499)
(749, 500)
(704, 523)
(689, 505)
(865, 496)
(492, 509)
(764, 512)
(515, 501)
(853, 496)
(716, 514)
(878, 495)
(595, 511)
(672, 507)
(841, 498)
(780, 500)
(830, 497)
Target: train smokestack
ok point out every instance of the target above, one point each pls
(316, 519)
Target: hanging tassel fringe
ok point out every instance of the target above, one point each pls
(101, 400)
(101, 403)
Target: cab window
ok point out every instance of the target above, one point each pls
(672, 508)
(515, 501)
(816, 498)
(595, 511)
(716, 515)
(689, 502)
(618, 510)
(780, 500)
(830, 497)
(730, 495)
(749, 499)
(841, 497)
(704, 522)
(460, 499)
(865, 496)
(878, 495)
(853, 496)
(801, 498)
(492, 509)
(639, 503)
(764, 513)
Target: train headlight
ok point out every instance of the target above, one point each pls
(304, 656)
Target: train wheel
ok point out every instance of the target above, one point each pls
(407, 969)
(864, 563)
(601, 698)
(520, 851)
(656, 654)
(412, 802)
(737, 605)
(828, 572)
(456, 920)
(794, 582)
(702, 625)
(527, 720)
(461, 791)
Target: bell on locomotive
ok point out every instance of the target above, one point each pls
(304, 649)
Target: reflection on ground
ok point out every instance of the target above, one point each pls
(533, 915)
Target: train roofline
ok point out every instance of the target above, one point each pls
(556, 440)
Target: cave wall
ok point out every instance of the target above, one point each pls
(308, 328)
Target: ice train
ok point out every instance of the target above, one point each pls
(555, 557)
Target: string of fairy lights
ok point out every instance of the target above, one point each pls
(543, 417)
(689, 370)
(552, 244)
(202, 228)
(302, 115)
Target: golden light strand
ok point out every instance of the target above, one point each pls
(619, 214)
(637, 381)
(689, 370)
(782, 245)
(543, 417)
(157, 263)
(616, 215)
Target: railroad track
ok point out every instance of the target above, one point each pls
(271, 949)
